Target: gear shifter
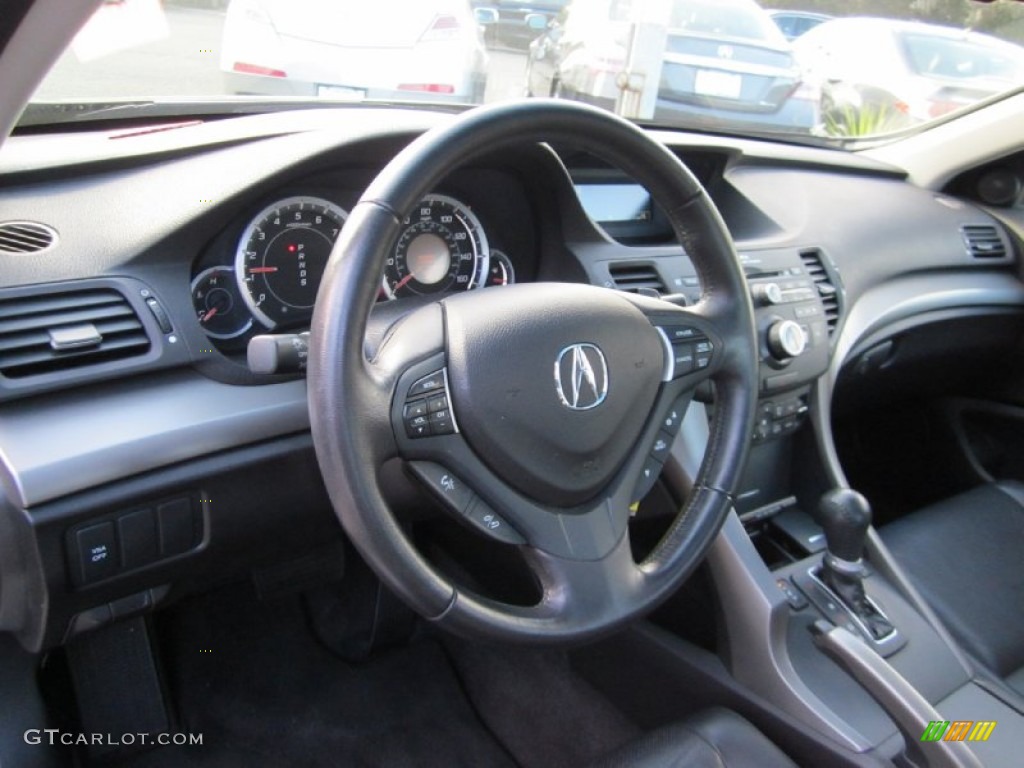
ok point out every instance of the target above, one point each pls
(845, 516)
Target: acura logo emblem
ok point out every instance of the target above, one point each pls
(581, 377)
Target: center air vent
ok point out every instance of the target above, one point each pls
(983, 241)
(634, 278)
(55, 332)
(25, 237)
(814, 263)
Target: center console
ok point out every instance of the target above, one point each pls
(818, 618)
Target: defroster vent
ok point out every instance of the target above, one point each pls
(54, 332)
(25, 237)
(633, 278)
(814, 263)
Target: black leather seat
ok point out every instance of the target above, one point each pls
(966, 557)
(714, 738)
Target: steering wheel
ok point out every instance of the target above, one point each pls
(536, 413)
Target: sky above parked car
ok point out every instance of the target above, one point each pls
(715, 65)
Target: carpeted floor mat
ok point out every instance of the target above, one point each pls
(537, 705)
(251, 679)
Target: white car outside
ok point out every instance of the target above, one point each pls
(376, 49)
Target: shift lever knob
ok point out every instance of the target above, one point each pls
(845, 515)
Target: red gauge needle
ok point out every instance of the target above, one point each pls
(402, 283)
(261, 270)
(209, 314)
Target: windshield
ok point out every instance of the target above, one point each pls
(813, 70)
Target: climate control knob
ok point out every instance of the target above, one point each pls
(767, 294)
(786, 340)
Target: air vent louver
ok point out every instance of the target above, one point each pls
(983, 241)
(827, 290)
(25, 237)
(50, 333)
(633, 278)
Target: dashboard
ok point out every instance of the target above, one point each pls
(136, 267)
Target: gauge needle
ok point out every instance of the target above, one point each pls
(402, 283)
(209, 314)
(261, 270)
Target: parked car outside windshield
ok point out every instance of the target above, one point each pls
(714, 65)
(916, 72)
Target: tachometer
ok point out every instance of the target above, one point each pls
(442, 248)
(281, 257)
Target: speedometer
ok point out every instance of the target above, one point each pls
(442, 248)
(281, 257)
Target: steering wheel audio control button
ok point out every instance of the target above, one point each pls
(441, 423)
(418, 426)
(428, 383)
(414, 409)
(491, 523)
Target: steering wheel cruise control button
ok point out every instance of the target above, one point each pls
(491, 523)
(691, 349)
(648, 477)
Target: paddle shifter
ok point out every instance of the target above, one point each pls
(845, 516)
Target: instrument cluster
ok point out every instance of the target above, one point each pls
(269, 281)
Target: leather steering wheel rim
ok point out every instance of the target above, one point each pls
(587, 588)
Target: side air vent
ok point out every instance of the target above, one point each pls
(983, 241)
(814, 263)
(25, 237)
(55, 332)
(633, 278)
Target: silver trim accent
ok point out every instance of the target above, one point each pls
(584, 377)
(867, 632)
(80, 439)
(668, 370)
(448, 395)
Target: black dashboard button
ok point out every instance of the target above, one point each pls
(177, 531)
(137, 534)
(160, 314)
(97, 552)
(437, 403)
(429, 383)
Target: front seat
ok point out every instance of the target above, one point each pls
(964, 555)
(715, 738)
